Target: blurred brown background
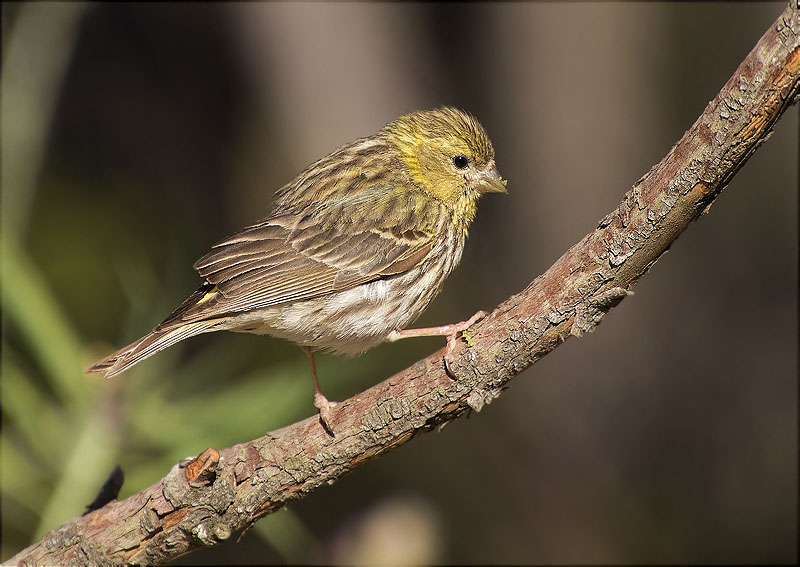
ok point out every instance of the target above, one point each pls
(135, 136)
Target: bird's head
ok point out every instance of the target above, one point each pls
(448, 155)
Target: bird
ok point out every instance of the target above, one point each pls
(354, 248)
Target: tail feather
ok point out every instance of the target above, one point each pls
(148, 345)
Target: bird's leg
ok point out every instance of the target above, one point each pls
(452, 332)
(322, 403)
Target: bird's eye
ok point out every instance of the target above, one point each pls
(460, 161)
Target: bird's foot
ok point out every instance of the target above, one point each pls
(325, 407)
(453, 332)
(458, 330)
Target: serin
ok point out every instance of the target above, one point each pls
(355, 247)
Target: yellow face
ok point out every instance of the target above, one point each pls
(449, 155)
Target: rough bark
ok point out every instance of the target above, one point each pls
(223, 492)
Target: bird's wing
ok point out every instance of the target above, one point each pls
(293, 257)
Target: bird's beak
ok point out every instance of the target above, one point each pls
(490, 181)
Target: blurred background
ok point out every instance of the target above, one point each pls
(137, 135)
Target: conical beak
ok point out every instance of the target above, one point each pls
(491, 182)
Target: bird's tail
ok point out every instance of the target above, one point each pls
(148, 345)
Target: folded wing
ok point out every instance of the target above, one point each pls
(292, 257)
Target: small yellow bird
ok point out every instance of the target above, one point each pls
(355, 248)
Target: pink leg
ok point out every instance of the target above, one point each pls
(320, 401)
(452, 332)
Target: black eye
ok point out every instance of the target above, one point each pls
(460, 161)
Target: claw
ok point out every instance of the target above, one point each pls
(325, 408)
(458, 332)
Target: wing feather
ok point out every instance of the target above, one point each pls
(291, 257)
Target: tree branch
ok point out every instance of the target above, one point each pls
(219, 493)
